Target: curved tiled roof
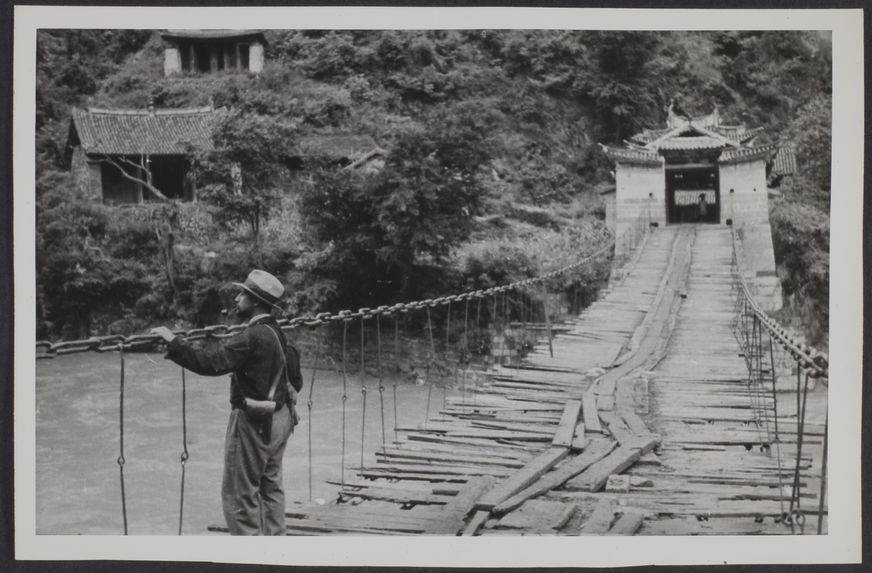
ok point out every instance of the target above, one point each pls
(675, 138)
(636, 156)
(156, 132)
(736, 133)
(747, 153)
(784, 162)
(688, 143)
(698, 134)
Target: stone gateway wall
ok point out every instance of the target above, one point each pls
(639, 193)
(745, 201)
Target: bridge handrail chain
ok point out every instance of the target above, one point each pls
(809, 357)
(46, 349)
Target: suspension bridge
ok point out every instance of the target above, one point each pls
(655, 411)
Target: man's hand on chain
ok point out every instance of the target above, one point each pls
(164, 333)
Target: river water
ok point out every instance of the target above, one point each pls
(77, 441)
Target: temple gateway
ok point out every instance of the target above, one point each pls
(699, 171)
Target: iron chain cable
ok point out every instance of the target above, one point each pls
(809, 357)
(184, 455)
(46, 349)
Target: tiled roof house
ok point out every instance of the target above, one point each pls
(147, 144)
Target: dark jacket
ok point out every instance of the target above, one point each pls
(251, 356)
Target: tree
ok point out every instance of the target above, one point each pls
(810, 133)
(621, 87)
(377, 231)
(241, 174)
(92, 263)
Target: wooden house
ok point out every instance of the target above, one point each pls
(128, 156)
(208, 51)
(700, 171)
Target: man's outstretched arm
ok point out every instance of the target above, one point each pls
(213, 360)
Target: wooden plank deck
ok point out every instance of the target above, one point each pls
(647, 383)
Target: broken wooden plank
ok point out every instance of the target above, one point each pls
(591, 419)
(565, 516)
(566, 426)
(616, 427)
(453, 450)
(628, 523)
(433, 457)
(537, 516)
(478, 519)
(595, 476)
(605, 401)
(600, 519)
(633, 421)
(580, 440)
(626, 437)
(395, 495)
(595, 451)
(454, 512)
(443, 469)
(522, 478)
(528, 427)
(363, 515)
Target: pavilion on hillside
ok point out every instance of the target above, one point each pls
(209, 51)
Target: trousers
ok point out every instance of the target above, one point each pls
(251, 489)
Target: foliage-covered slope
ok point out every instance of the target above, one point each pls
(477, 124)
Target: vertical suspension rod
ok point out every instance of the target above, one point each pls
(121, 459)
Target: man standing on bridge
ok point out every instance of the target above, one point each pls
(265, 380)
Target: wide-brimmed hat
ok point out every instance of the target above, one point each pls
(263, 286)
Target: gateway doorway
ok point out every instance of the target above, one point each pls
(692, 196)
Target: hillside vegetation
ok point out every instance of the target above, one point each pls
(492, 170)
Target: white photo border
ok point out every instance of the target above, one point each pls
(841, 545)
